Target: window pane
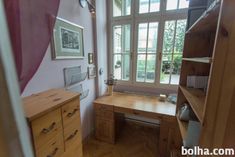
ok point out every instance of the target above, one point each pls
(121, 39)
(121, 7)
(121, 50)
(168, 40)
(140, 68)
(166, 69)
(126, 67)
(154, 5)
(171, 60)
(150, 73)
(146, 6)
(143, 6)
(183, 4)
(127, 38)
(142, 37)
(152, 37)
(179, 37)
(117, 39)
(171, 4)
(146, 69)
(117, 61)
(177, 59)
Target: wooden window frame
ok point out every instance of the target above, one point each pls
(134, 19)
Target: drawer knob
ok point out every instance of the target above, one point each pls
(53, 153)
(135, 113)
(70, 114)
(47, 130)
(72, 136)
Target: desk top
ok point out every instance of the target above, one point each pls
(138, 102)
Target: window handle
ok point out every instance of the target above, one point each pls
(160, 56)
(131, 55)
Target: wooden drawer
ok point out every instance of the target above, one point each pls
(46, 127)
(54, 148)
(105, 114)
(71, 113)
(72, 136)
(102, 107)
(104, 111)
(147, 114)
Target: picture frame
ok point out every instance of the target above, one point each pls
(91, 72)
(90, 58)
(67, 41)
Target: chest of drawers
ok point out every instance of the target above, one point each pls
(54, 120)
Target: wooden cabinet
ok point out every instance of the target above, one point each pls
(209, 50)
(104, 123)
(54, 119)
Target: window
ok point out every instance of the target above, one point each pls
(146, 47)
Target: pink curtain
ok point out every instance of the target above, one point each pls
(30, 26)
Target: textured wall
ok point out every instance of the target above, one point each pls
(50, 73)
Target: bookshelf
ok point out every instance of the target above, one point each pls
(209, 51)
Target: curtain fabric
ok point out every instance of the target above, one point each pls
(31, 24)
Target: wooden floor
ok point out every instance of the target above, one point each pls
(135, 140)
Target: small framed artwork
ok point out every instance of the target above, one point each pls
(91, 72)
(90, 58)
(67, 41)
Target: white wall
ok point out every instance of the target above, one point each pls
(50, 73)
(101, 44)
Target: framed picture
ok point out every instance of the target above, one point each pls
(91, 72)
(90, 58)
(67, 42)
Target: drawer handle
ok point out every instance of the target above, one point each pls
(136, 113)
(72, 136)
(53, 153)
(70, 114)
(47, 130)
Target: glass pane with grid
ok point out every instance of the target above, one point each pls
(149, 6)
(121, 7)
(177, 4)
(173, 42)
(121, 52)
(146, 56)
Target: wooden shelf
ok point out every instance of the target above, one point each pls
(207, 60)
(208, 20)
(196, 99)
(183, 126)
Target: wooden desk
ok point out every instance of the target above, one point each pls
(108, 109)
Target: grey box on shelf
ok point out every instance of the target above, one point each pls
(199, 82)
